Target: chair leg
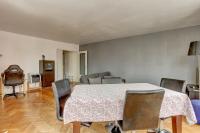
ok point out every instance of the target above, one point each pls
(86, 124)
(111, 125)
(122, 130)
(14, 93)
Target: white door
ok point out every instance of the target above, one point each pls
(71, 65)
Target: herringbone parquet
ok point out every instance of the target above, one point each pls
(35, 113)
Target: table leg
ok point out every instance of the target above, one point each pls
(76, 127)
(177, 124)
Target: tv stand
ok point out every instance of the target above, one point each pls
(47, 71)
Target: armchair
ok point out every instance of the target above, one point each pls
(13, 76)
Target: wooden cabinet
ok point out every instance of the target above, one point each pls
(47, 71)
(1, 89)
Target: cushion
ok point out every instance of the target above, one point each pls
(196, 106)
(104, 74)
(84, 79)
(95, 80)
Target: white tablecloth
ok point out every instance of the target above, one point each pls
(105, 102)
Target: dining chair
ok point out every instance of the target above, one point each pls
(61, 91)
(172, 84)
(141, 110)
(112, 80)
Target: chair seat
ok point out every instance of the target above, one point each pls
(13, 82)
(196, 106)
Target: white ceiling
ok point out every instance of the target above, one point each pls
(86, 21)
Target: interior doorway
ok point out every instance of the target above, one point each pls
(71, 65)
(83, 63)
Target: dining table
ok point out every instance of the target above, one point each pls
(105, 103)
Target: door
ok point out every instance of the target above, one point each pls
(83, 63)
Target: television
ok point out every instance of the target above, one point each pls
(48, 66)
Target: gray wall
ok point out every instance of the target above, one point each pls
(146, 58)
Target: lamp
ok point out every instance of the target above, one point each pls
(194, 49)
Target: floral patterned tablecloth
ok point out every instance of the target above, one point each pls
(105, 102)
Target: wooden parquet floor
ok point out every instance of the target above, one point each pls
(35, 113)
